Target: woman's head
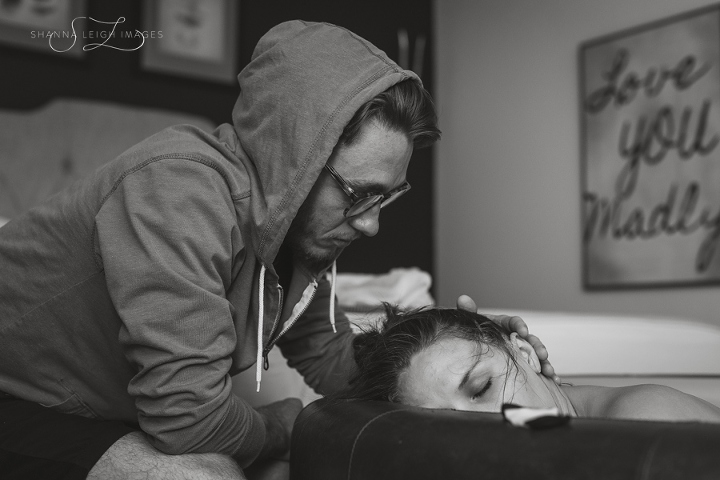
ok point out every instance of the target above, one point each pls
(446, 358)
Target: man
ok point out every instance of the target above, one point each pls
(130, 299)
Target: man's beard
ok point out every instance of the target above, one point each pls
(300, 240)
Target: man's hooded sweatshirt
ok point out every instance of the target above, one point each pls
(138, 292)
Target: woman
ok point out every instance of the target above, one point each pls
(448, 358)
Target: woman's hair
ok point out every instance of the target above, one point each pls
(405, 107)
(383, 352)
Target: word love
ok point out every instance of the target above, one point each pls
(623, 86)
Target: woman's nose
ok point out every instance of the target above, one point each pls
(368, 222)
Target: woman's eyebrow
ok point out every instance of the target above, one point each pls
(469, 371)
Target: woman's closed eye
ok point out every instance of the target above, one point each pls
(483, 390)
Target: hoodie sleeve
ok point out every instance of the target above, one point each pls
(167, 237)
(323, 358)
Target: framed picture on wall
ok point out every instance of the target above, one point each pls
(194, 38)
(650, 111)
(52, 26)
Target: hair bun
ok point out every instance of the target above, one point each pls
(364, 343)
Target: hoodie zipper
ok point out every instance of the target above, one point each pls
(289, 323)
(266, 362)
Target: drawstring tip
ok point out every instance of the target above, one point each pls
(258, 387)
(333, 278)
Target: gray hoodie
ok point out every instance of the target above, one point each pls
(139, 291)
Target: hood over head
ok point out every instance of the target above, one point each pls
(303, 84)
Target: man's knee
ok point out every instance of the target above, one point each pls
(132, 455)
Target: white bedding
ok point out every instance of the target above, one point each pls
(602, 344)
(617, 350)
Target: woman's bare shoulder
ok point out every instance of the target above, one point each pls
(646, 402)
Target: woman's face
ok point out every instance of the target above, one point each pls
(459, 374)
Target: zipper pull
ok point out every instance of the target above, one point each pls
(266, 361)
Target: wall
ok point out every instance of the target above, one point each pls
(508, 167)
(30, 78)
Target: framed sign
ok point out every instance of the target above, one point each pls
(49, 26)
(195, 38)
(650, 110)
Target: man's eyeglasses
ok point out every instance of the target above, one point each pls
(363, 203)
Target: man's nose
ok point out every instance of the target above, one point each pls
(368, 222)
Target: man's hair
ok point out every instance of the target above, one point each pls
(383, 352)
(405, 107)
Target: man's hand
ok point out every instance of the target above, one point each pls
(279, 418)
(515, 324)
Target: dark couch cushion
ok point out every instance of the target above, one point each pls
(377, 440)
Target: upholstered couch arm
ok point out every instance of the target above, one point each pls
(376, 440)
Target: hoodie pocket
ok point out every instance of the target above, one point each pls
(72, 404)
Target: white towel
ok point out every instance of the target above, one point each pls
(405, 287)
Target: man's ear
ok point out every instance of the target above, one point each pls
(525, 352)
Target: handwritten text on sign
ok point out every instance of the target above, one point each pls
(651, 112)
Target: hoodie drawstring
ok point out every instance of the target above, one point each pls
(333, 275)
(261, 319)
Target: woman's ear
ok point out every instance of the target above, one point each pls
(525, 351)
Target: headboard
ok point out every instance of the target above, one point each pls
(44, 150)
